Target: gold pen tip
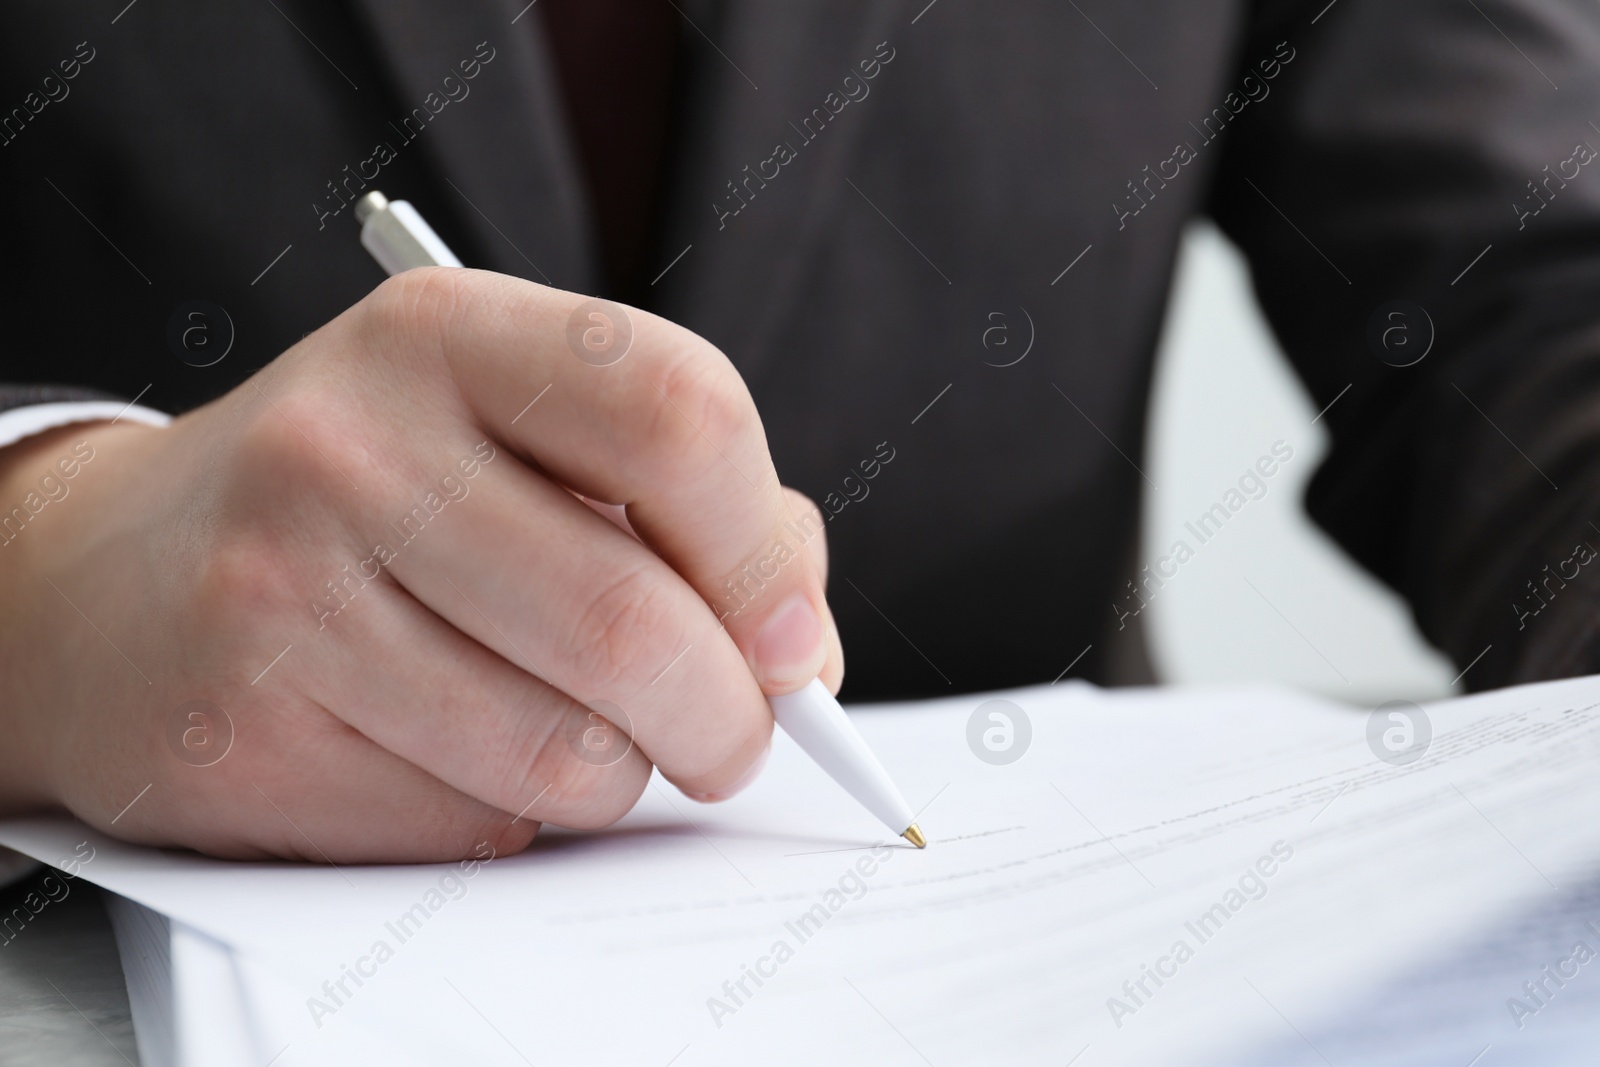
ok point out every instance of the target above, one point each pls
(914, 835)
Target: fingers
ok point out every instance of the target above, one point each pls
(353, 801)
(295, 783)
(668, 429)
(526, 569)
(469, 717)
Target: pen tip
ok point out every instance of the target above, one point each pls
(914, 835)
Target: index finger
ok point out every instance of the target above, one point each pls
(628, 408)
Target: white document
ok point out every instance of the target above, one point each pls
(1163, 877)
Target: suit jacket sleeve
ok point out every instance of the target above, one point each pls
(26, 410)
(1441, 153)
(16, 396)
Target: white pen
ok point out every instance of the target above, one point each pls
(397, 236)
(819, 726)
(399, 239)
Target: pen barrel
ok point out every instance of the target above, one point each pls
(825, 733)
(399, 238)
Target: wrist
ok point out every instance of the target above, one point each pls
(41, 478)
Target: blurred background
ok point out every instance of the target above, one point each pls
(1270, 596)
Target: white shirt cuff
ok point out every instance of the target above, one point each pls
(17, 423)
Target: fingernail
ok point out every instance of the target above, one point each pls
(790, 649)
(741, 785)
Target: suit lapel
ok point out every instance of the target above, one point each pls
(503, 151)
(745, 272)
(507, 163)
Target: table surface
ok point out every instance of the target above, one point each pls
(63, 1001)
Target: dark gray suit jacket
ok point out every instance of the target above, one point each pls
(847, 240)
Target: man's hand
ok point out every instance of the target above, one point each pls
(354, 611)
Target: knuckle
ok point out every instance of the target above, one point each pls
(703, 406)
(538, 772)
(520, 761)
(242, 577)
(304, 439)
(414, 307)
(630, 628)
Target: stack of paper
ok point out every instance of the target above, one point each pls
(1241, 877)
